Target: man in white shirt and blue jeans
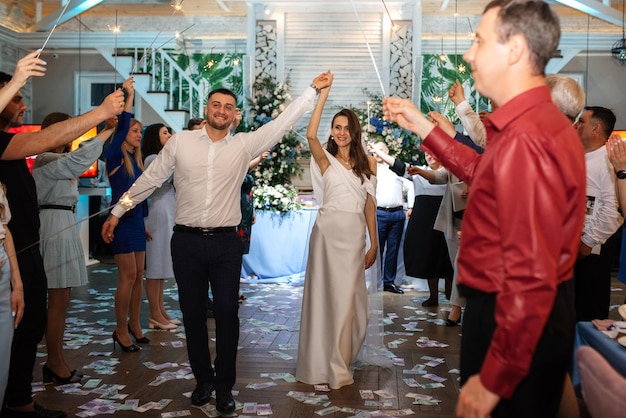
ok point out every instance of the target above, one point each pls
(390, 216)
(208, 165)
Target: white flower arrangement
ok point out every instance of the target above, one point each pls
(278, 199)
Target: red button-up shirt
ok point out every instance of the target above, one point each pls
(522, 224)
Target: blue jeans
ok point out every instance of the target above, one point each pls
(6, 322)
(390, 228)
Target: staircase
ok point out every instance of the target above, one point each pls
(161, 83)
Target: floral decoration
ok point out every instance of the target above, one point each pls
(278, 199)
(273, 175)
(402, 144)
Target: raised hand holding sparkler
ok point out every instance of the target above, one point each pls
(405, 114)
(27, 67)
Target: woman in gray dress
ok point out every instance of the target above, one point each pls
(159, 224)
(56, 176)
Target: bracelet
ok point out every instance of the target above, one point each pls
(317, 89)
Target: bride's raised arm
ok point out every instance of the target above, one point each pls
(325, 80)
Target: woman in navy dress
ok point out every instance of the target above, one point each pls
(124, 165)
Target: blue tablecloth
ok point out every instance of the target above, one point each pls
(279, 249)
(611, 350)
(279, 246)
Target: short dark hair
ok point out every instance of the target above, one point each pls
(4, 78)
(193, 122)
(151, 142)
(222, 91)
(605, 117)
(536, 21)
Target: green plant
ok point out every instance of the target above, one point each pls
(438, 74)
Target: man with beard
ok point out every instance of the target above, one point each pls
(208, 166)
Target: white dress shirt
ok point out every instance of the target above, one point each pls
(472, 124)
(207, 174)
(390, 187)
(602, 218)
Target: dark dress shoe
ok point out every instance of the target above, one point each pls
(39, 412)
(201, 394)
(393, 289)
(224, 401)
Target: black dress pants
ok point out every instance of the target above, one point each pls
(30, 330)
(592, 277)
(199, 260)
(539, 393)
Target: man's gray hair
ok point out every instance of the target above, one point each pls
(566, 94)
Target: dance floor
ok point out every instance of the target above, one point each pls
(423, 382)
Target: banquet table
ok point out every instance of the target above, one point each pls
(279, 246)
(279, 249)
(611, 350)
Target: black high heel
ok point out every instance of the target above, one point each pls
(127, 348)
(142, 340)
(51, 377)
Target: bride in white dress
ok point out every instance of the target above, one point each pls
(334, 317)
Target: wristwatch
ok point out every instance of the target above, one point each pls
(621, 174)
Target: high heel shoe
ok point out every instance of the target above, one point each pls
(152, 324)
(51, 377)
(452, 323)
(127, 348)
(175, 321)
(142, 340)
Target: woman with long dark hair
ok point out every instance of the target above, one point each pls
(160, 223)
(335, 301)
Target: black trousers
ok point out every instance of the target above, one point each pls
(30, 330)
(539, 394)
(199, 260)
(592, 276)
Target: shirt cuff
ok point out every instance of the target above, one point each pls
(590, 242)
(499, 376)
(437, 142)
(309, 93)
(118, 211)
(463, 107)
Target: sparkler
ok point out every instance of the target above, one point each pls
(53, 28)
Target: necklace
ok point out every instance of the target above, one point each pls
(346, 162)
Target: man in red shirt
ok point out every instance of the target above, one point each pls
(523, 220)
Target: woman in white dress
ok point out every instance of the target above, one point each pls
(159, 224)
(335, 303)
(56, 177)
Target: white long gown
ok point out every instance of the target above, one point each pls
(334, 316)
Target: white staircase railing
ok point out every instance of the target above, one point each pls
(156, 73)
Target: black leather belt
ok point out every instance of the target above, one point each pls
(204, 231)
(60, 207)
(397, 208)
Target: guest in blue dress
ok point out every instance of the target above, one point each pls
(124, 164)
